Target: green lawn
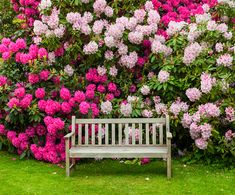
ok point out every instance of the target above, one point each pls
(111, 177)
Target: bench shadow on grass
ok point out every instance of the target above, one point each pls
(114, 167)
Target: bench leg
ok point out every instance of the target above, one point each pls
(169, 167)
(67, 158)
(73, 162)
(67, 166)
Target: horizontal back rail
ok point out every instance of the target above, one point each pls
(123, 120)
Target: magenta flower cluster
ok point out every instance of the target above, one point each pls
(26, 10)
(10, 49)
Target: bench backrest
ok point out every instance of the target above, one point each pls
(119, 132)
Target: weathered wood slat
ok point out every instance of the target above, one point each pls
(123, 120)
(160, 134)
(93, 134)
(133, 133)
(73, 129)
(100, 134)
(86, 134)
(140, 133)
(106, 134)
(154, 133)
(167, 122)
(126, 134)
(120, 134)
(113, 134)
(119, 152)
(80, 134)
(147, 133)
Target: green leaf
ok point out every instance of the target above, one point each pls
(233, 152)
(23, 155)
(153, 59)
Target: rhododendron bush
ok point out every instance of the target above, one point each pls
(103, 59)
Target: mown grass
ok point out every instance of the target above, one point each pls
(111, 177)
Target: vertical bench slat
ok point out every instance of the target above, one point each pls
(86, 134)
(93, 134)
(147, 133)
(126, 134)
(140, 133)
(161, 134)
(73, 129)
(113, 134)
(106, 134)
(120, 134)
(167, 123)
(154, 133)
(133, 133)
(99, 134)
(79, 134)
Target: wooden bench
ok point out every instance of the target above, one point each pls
(119, 138)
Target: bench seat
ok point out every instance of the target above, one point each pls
(118, 152)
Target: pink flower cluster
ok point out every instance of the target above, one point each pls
(93, 76)
(207, 82)
(52, 151)
(42, 76)
(158, 47)
(53, 124)
(90, 48)
(9, 48)
(26, 9)
(191, 52)
(163, 76)
(49, 25)
(21, 142)
(161, 108)
(147, 113)
(230, 114)
(126, 109)
(229, 135)
(3, 131)
(20, 99)
(145, 90)
(129, 60)
(181, 10)
(50, 107)
(100, 6)
(193, 94)
(209, 110)
(201, 134)
(225, 60)
(3, 80)
(178, 106)
(106, 107)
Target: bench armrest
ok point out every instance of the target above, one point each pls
(69, 135)
(169, 135)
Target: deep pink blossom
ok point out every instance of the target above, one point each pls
(40, 93)
(44, 75)
(84, 107)
(79, 96)
(33, 78)
(42, 53)
(65, 94)
(19, 92)
(13, 102)
(66, 108)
